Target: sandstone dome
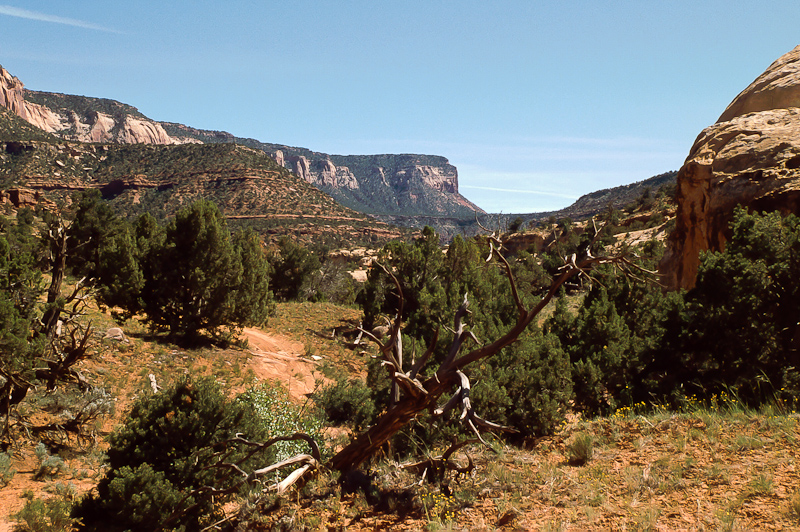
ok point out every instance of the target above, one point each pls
(750, 156)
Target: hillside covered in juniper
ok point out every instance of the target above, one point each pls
(249, 187)
(405, 184)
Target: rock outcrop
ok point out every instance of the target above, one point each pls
(382, 185)
(750, 156)
(397, 185)
(12, 94)
(90, 126)
(441, 178)
(23, 197)
(96, 126)
(320, 172)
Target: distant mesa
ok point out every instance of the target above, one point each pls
(408, 185)
(750, 156)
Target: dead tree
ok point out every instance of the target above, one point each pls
(413, 394)
(56, 237)
(419, 395)
(67, 337)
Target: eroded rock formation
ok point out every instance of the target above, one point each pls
(750, 156)
(320, 172)
(93, 126)
(11, 94)
(397, 185)
(441, 178)
(23, 197)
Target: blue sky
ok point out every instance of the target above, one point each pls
(535, 102)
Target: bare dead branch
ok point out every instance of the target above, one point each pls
(510, 275)
(438, 465)
(458, 331)
(450, 374)
(411, 386)
(425, 356)
(310, 462)
(291, 479)
(451, 403)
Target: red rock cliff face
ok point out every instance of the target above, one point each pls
(443, 179)
(322, 172)
(97, 127)
(751, 156)
(11, 94)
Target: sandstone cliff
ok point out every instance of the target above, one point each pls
(750, 156)
(11, 94)
(71, 118)
(321, 173)
(409, 185)
(115, 126)
(406, 185)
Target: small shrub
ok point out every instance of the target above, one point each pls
(347, 401)
(439, 508)
(279, 416)
(45, 515)
(49, 466)
(581, 450)
(166, 449)
(761, 485)
(527, 386)
(6, 471)
(63, 490)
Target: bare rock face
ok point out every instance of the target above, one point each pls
(98, 127)
(333, 176)
(751, 156)
(43, 118)
(436, 177)
(321, 172)
(776, 88)
(11, 94)
(301, 167)
(23, 197)
(95, 127)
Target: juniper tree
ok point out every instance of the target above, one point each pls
(189, 277)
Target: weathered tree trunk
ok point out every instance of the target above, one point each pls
(418, 396)
(57, 237)
(368, 443)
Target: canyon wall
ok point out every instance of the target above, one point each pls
(750, 156)
(60, 117)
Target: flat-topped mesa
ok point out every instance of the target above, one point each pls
(412, 184)
(750, 157)
(403, 185)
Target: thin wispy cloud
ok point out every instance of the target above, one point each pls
(18, 12)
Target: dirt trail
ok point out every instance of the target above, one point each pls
(281, 358)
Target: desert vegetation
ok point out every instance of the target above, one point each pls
(459, 385)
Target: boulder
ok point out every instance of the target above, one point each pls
(750, 156)
(115, 333)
